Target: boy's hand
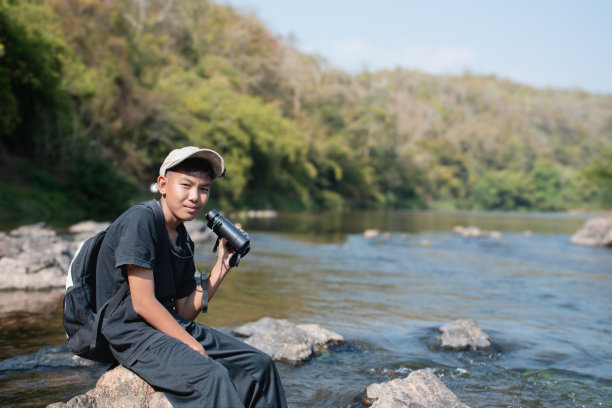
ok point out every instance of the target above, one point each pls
(199, 348)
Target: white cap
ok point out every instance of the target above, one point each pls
(179, 155)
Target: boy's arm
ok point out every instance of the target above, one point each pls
(142, 289)
(189, 307)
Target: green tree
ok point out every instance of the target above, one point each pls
(32, 101)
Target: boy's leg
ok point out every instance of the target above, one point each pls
(253, 372)
(187, 378)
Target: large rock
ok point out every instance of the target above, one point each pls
(285, 341)
(464, 334)
(421, 389)
(594, 232)
(118, 387)
(34, 257)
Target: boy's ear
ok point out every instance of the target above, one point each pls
(162, 184)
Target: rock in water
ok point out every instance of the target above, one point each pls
(421, 389)
(34, 262)
(285, 341)
(47, 357)
(118, 387)
(594, 232)
(464, 334)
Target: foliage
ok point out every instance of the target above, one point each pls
(31, 99)
(91, 91)
(600, 173)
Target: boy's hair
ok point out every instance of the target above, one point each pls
(194, 166)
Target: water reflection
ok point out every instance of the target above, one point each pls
(333, 224)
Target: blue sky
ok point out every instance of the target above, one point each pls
(559, 44)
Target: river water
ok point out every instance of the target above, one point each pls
(545, 303)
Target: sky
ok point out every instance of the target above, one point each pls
(542, 43)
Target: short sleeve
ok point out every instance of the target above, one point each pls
(136, 239)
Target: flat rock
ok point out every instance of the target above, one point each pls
(421, 389)
(47, 357)
(594, 232)
(285, 341)
(118, 387)
(464, 334)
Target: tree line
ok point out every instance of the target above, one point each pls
(93, 94)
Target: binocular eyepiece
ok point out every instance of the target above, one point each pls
(236, 238)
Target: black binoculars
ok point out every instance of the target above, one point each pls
(237, 239)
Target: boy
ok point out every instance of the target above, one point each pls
(152, 330)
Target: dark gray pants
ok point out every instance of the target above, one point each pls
(233, 375)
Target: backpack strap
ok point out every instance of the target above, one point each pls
(158, 213)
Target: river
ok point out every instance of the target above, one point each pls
(545, 303)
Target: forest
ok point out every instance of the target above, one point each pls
(95, 93)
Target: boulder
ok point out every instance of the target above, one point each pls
(31, 259)
(594, 232)
(118, 387)
(464, 334)
(421, 389)
(285, 341)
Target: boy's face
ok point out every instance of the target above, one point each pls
(186, 194)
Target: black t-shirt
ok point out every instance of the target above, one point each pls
(139, 237)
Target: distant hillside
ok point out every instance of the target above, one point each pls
(94, 94)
